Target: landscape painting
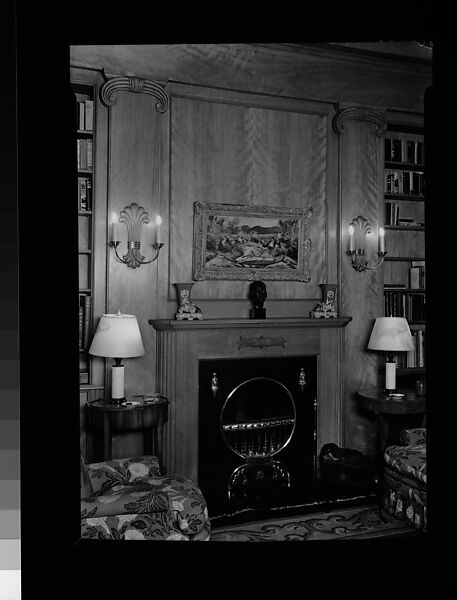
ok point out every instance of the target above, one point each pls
(234, 241)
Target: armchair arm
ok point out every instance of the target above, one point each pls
(105, 475)
(121, 500)
(413, 437)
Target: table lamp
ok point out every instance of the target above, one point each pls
(391, 334)
(117, 336)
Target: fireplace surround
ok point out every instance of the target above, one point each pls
(184, 348)
(257, 432)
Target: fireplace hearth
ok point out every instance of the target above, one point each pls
(257, 432)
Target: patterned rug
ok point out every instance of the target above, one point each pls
(343, 523)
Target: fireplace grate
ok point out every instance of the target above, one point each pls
(259, 438)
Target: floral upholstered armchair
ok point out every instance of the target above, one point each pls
(405, 478)
(128, 499)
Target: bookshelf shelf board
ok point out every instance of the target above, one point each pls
(84, 251)
(88, 213)
(391, 164)
(84, 172)
(404, 227)
(416, 322)
(85, 290)
(404, 289)
(87, 132)
(404, 197)
(403, 258)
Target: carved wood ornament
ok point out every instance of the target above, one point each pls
(138, 85)
(359, 114)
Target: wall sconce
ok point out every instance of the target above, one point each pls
(134, 217)
(358, 229)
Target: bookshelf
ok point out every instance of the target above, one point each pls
(404, 289)
(85, 137)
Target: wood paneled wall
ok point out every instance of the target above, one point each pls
(250, 124)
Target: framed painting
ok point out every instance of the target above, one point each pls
(233, 241)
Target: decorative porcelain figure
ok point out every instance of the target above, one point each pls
(186, 310)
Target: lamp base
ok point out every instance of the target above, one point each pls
(117, 401)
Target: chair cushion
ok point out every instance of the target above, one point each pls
(408, 460)
(86, 484)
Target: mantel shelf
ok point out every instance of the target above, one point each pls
(172, 324)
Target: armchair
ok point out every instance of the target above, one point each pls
(130, 499)
(405, 478)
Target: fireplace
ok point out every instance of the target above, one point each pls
(257, 432)
(190, 352)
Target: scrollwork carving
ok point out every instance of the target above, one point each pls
(359, 114)
(137, 85)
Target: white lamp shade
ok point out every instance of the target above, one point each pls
(391, 334)
(117, 336)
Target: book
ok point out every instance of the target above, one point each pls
(87, 307)
(421, 265)
(82, 154)
(407, 182)
(419, 348)
(82, 193)
(84, 377)
(89, 193)
(89, 154)
(417, 307)
(89, 115)
(414, 282)
(81, 115)
(81, 324)
(411, 358)
(396, 151)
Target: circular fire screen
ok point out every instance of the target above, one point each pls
(258, 418)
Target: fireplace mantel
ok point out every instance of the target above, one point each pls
(172, 324)
(182, 344)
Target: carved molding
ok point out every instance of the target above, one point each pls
(261, 342)
(137, 85)
(359, 114)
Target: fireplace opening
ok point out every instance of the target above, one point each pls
(257, 432)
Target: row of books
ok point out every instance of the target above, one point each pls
(84, 193)
(84, 320)
(85, 115)
(416, 357)
(85, 154)
(392, 216)
(404, 182)
(400, 303)
(405, 151)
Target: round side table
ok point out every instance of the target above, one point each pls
(386, 408)
(147, 416)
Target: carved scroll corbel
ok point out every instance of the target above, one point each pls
(138, 85)
(359, 114)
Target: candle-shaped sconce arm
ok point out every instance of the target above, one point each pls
(158, 237)
(382, 248)
(114, 227)
(351, 238)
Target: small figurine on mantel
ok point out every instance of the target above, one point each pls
(257, 295)
(327, 308)
(186, 310)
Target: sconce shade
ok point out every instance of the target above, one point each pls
(391, 334)
(117, 336)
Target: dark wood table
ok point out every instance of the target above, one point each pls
(147, 416)
(387, 408)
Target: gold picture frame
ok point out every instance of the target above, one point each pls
(249, 242)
